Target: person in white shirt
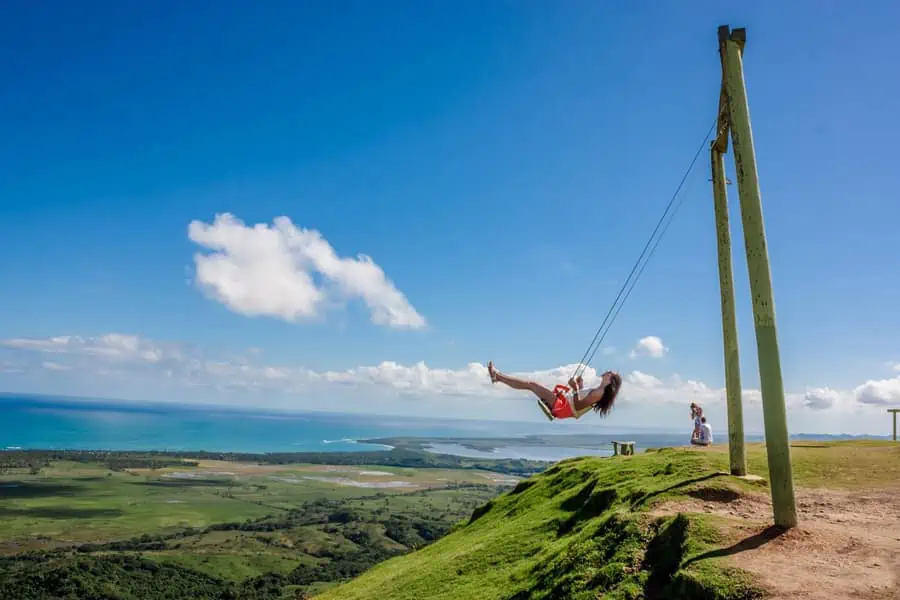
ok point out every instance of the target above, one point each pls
(705, 432)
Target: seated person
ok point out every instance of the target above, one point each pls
(705, 432)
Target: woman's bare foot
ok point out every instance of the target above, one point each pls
(492, 371)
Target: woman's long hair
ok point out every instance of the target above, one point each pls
(606, 401)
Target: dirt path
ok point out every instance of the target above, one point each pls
(846, 546)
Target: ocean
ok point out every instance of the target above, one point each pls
(63, 423)
(60, 423)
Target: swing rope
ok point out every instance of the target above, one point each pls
(589, 353)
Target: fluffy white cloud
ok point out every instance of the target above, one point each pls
(263, 270)
(822, 398)
(881, 392)
(139, 363)
(874, 393)
(643, 380)
(649, 346)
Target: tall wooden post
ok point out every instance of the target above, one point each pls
(729, 320)
(781, 479)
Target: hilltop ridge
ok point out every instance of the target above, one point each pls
(662, 524)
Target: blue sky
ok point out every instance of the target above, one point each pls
(501, 163)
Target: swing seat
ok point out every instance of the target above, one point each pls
(546, 410)
(559, 392)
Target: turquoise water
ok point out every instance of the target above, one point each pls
(55, 423)
(60, 423)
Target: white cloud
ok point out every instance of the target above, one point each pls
(263, 270)
(822, 398)
(649, 346)
(881, 392)
(54, 344)
(138, 363)
(644, 380)
(114, 346)
(55, 366)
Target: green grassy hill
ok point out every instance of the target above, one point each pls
(594, 528)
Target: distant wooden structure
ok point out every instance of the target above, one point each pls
(623, 448)
(894, 412)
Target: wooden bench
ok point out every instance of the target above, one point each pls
(626, 448)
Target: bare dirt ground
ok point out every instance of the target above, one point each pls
(847, 544)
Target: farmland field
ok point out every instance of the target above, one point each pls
(239, 522)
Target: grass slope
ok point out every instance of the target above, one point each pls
(585, 529)
(576, 531)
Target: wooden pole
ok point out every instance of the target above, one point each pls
(894, 412)
(729, 320)
(781, 479)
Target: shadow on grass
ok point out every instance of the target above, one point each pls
(663, 557)
(578, 500)
(567, 479)
(481, 511)
(641, 498)
(585, 505)
(596, 562)
(521, 487)
(51, 512)
(32, 489)
(754, 541)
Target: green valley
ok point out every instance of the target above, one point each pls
(666, 523)
(139, 525)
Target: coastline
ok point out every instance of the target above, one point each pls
(63, 424)
(381, 450)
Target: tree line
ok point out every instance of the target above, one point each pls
(397, 457)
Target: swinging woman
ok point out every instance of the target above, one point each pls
(567, 402)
